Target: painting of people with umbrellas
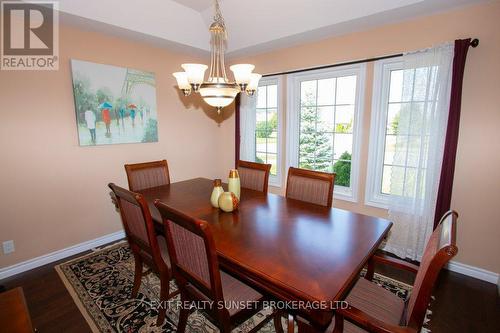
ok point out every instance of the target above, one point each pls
(113, 104)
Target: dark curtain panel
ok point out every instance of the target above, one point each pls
(450, 149)
(236, 130)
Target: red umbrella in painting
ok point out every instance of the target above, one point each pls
(132, 106)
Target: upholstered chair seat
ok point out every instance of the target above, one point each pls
(375, 301)
(236, 291)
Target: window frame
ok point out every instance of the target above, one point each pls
(274, 180)
(293, 120)
(381, 89)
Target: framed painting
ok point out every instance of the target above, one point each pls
(113, 104)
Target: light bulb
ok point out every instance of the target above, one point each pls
(183, 83)
(254, 84)
(195, 74)
(242, 73)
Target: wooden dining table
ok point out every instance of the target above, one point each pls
(292, 250)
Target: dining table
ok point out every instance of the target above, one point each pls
(292, 250)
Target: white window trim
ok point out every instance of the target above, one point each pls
(381, 85)
(276, 180)
(293, 120)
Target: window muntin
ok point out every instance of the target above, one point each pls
(393, 108)
(266, 126)
(411, 104)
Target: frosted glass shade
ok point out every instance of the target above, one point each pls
(254, 81)
(242, 73)
(218, 95)
(195, 72)
(182, 80)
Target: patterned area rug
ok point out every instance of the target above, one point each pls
(101, 283)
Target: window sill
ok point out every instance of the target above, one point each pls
(275, 187)
(344, 196)
(383, 204)
(344, 193)
(274, 183)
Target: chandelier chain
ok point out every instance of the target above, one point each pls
(218, 14)
(218, 91)
(218, 38)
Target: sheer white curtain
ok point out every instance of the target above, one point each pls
(419, 149)
(247, 127)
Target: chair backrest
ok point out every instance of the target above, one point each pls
(310, 186)
(192, 252)
(138, 225)
(440, 248)
(145, 175)
(254, 176)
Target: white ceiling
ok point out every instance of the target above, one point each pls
(253, 26)
(198, 5)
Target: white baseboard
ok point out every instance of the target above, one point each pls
(59, 254)
(474, 272)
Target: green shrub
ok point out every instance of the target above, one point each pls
(264, 130)
(343, 170)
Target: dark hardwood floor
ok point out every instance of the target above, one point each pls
(462, 304)
(51, 306)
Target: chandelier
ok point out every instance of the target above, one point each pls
(218, 91)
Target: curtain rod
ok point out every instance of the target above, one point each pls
(474, 43)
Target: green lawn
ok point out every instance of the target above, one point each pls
(261, 147)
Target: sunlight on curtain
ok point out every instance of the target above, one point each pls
(247, 127)
(419, 149)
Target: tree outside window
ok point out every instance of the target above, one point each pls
(326, 126)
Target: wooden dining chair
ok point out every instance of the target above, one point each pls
(374, 309)
(146, 175)
(196, 270)
(254, 176)
(310, 186)
(147, 247)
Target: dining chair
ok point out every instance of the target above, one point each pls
(147, 247)
(374, 309)
(310, 186)
(145, 175)
(254, 176)
(196, 271)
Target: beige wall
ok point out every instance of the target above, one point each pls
(53, 192)
(477, 179)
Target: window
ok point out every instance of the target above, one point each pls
(400, 97)
(386, 107)
(266, 125)
(323, 122)
(261, 127)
